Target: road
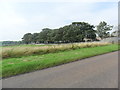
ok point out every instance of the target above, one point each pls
(95, 72)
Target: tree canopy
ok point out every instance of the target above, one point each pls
(102, 30)
(75, 32)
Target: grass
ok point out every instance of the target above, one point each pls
(26, 50)
(28, 45)
(15, 66)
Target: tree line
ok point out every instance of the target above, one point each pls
(10, 43)
(75, 32)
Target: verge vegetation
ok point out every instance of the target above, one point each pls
(26, 50)
(15, 66)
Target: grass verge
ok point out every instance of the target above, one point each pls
(15, 66)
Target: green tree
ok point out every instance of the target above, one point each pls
(44, 35)
(27, 38)
(102, 30)
(75, 32)
(35, 37)
(84, 30)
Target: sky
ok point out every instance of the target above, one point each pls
(20, 17)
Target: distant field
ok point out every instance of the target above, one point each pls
(15, 66)
(28, 45)
(26, 50)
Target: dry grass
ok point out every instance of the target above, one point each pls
(19, 51)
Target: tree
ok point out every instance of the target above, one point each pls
(57, 35)
(75, 32)
(85, 30)
(44, 35)
(102, 30)
(8, 43)
(35, 37)
(27, 38)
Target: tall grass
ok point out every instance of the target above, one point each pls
(19, 51)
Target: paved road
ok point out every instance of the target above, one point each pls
(95, 72)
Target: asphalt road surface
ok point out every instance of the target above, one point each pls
(95, 72)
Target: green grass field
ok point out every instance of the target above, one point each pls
(24, 64)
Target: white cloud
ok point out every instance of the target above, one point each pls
(109, 15)
(10, 22)
(14, 26)
(9, 17)
(61, 14)
(79, 12)
(60, 0)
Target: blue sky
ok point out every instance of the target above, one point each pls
(18, 18)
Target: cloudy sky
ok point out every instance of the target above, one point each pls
(18, 18)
